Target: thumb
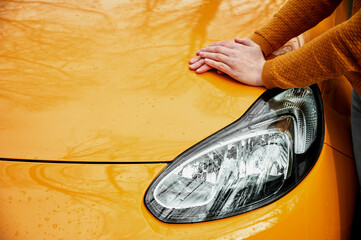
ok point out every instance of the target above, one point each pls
(245, 41)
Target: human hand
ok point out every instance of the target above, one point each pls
(197, 64)
(243, 60)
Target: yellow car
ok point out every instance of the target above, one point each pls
(106, 134)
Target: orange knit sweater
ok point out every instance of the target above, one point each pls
(336, 52)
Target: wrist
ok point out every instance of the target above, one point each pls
(260, 79)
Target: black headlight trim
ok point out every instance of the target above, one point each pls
(303, 163)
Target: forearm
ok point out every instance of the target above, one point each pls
(332, 54)
(294, 18)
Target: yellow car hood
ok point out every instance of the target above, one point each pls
(109, 80)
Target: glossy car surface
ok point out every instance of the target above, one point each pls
(97, 98)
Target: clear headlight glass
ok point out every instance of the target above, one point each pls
(248, 164)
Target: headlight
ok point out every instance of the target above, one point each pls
(248, 164)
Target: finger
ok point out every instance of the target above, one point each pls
(246, 41)
(218, 49)
(225, 44)
(204, 68)
(220, 72)
(197, 64)
(228, 44)
(195, 59)
(215, 56)
(218, 65)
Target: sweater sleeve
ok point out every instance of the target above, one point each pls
(332, 54)
(294, 18)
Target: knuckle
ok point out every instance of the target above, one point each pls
(222, 67)
(214, 64)
(239, 52)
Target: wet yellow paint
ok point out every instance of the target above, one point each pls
(109, 80)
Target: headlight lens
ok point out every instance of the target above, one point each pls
(248, 164)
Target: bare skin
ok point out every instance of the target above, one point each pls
(241, 59)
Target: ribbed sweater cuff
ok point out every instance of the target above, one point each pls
(267, 78)
(263, 43)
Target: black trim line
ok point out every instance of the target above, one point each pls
(76, 162)
(338, 151)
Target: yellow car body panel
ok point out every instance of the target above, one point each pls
(105, 82)
(109, 81)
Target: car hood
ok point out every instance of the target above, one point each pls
(109, 81)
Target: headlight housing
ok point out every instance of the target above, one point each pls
(246, 165)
